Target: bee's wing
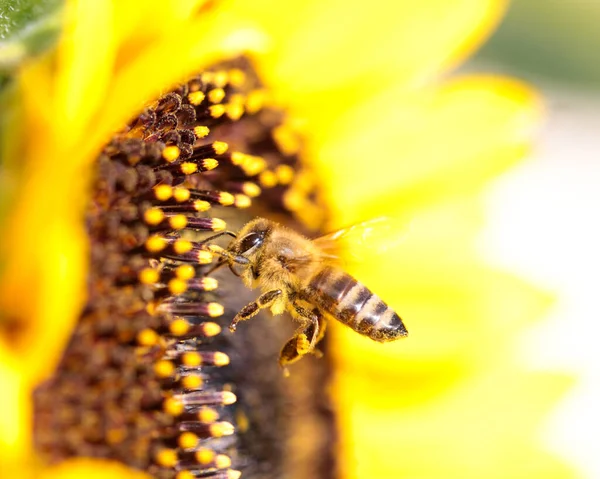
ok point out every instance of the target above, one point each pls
(378, 236)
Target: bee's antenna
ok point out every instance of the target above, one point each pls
(230, 233)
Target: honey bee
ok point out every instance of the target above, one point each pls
(299, 275)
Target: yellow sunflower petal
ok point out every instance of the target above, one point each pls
(425, 146)
(369, 44)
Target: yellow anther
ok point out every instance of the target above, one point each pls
(153, 216)
(188, 168)
(196, 97)
(178, 222)
(148, 276)
(182, 246)
(177, 286)
(253, 165)
(188, 440)
(191, 359)
(236, 77)
(216, 95)
(163, 192)
(233, 474)
(211, 329)
(217, 111)
(218, 224)
(255, 100)
(242, 201)
(207, 415)
(286, 139)
(234, 110)
(185, 271)
(166, 458)
(210, 284)
(220, 147)
(201, 205)
(285, 174)
(268, 179)
(171, 153)
(221, 359)
(154, 244)
(209, 164)
(192, 382)
(204, 257)
(222, 461)
(237, 158)
(226, 198)
(179, 327)
(294, 200)
(220, 78)
(181, 194)
(164, 368)
(229, 398)
(207, 77)
(220, 429)
(205, 456)
(201, 131)
(251, 189)
(147, 337)
(173, 406)
(185, 475)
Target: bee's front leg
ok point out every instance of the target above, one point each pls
(265, 300)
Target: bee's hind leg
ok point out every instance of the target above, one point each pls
(306, 337)
(265, 300)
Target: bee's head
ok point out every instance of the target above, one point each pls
(251, 238)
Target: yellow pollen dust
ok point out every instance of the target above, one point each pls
(285, 174)
(185, 271)
(177, 286)
(188, 168)
(251, 189)
(182, 246)
(166, 458)
(171, 153)
(181, 194)
(220, 147)
(201, 205)
(207, 415)
(242, 201)
(201, 131)
(221, 429)
(217, 111)
(268, 179)
(229, 398)
(221, 359)
(192, 382)
(191, 359)
(204, 257)
(222, 461)
(237, 77)
(210, 284)
(179, 327)
(209, 164)
(188, 440)
(173, 407)
(196, 97)
(164, 368)
(149, 276)
(153, 216)
(216, 95)
(218, 224)
(155, 243)
(163, 192)
(178, 222)
(205, 456)
(226, 198)
(147, 337)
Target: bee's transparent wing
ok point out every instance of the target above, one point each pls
(376, 236)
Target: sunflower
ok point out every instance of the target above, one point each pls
(150, 120)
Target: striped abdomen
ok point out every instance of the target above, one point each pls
(352, 303)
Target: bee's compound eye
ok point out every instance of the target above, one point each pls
(250, 241)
